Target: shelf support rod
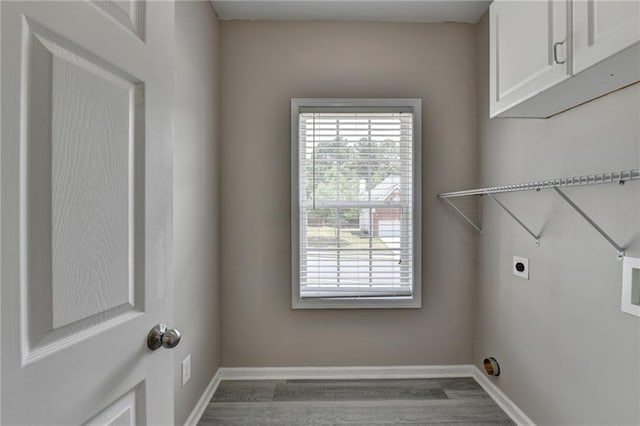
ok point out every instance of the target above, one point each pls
(535, 237)
(586, 217)
(469, 221)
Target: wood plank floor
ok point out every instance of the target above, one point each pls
(457, 401)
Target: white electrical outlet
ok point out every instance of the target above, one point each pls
(186, 369)
(520, 267)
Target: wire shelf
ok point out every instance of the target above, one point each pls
(595, 179)
(555, 184)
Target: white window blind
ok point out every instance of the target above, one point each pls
(356, 171)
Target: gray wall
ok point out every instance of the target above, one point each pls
(196, 197)
(264, 64)
(568, 354)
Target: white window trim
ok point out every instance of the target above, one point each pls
(415, 301)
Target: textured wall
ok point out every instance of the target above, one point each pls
(264, 64)
(567, 352)
(196, 195)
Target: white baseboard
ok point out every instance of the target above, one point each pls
(394, 372)
(202, 403)
(508, 406)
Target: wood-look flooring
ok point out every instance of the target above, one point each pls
(459, 401)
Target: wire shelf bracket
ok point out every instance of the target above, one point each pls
(586, 217)
(525, 227)
(555, 184)
(464, 216)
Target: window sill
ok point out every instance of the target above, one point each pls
(357, 303)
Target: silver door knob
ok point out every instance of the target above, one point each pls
(160, 335)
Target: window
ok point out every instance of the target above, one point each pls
(356, 220)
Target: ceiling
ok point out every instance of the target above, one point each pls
(353, 10)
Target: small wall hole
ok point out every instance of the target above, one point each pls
(491, 366)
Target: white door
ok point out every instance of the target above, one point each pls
(86, 214)
(527, 50)
(603, 28)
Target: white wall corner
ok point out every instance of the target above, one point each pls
(503, 401)
(202, 403)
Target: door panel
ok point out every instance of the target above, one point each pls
(126, 411)
(80, 195)
(602, 29)
(524, 39)
(521, 47)
(130, 14)
(86, 221)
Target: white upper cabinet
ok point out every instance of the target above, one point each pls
(603, 28)
(523, 37)
(548, 56)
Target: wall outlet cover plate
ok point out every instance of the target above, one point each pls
(520, 267)
(186, 369)
(631, 285)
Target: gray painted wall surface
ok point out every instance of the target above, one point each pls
(196, 197)
(567, 352)
(264, 64)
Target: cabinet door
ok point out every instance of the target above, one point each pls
(522, 38)
(603, 28)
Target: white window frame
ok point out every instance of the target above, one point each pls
(415, 301)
